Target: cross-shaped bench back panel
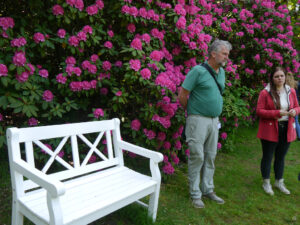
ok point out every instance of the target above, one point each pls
(69, 150)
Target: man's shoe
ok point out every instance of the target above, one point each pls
(280, 185)
(198, 203)
(268, 187)
(214, 197)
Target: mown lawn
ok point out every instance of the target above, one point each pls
(237, 180)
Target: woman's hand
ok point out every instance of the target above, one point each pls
(284, 113)
(292, 113)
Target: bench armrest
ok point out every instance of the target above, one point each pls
(54, 187)
(155, 156)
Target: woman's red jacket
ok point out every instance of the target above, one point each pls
(268, 114)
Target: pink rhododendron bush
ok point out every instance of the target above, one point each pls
(65, 61)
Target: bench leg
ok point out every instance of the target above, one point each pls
(17, 217)
(153, 205)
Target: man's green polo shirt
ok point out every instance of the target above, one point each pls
(205, 98)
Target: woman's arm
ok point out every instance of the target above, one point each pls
(263, 111)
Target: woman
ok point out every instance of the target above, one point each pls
(277, 106)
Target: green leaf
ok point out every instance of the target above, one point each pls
(4, 81)
(11, 67)
(16, 104)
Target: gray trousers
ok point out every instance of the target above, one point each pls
(202, 138)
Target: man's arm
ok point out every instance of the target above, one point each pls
(183, 97)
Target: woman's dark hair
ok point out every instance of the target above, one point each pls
(273, 90)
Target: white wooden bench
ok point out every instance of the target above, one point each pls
(81, 192)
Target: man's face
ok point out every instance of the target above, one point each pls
(221, 57)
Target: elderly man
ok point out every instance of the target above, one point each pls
(201, 95)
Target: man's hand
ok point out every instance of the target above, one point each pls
(183, 97)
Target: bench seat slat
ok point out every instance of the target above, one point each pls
(97, 192)
(28, 184)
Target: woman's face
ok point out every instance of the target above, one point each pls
(279, 78)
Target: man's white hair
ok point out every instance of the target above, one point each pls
(216, 46)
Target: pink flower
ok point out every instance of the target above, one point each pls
(48, 96)
(179, 10)
(23, 77)
(136, 44)
(131, 28)
(57, 10)
(19, 59)
(177, 145)
(38, 37)
(6, 22)
(161, 136)
(87, 29)
(108, 44)
(167, 145)
(94, 57)
(32, 121)
(149, 133)
(73, 41)
(168, 169)
(100, 4)
(103, 91)
(31, 68)
(181, 23)
(110, 33)
(187, 152)
(43, 73)
(156, 55)
(135, 64)
(61, 79)
(146, 38)
(106, 65)
(92, 10)
(92, 159)
(3, 70)
(175, 159)
(219, 145)
(98, 112)
(135, 124)
(71, 2)
(81, 36)
(70, 60)
(119, 93)
(133, 11)
(224, 135)
(79, 5)
(145, 73)
(18, 42)
(241, 34)
(118, 64)
(257, 57)
(61, 33)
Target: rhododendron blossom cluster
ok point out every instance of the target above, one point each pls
(103, 59)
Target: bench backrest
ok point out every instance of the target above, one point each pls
(84, 155)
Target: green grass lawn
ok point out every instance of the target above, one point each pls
(237, 180)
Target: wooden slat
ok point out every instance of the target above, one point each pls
(55, 154)
(28, 184)
(29, 153)
(75, 152)
(100, 192)
(109, 144)
(57, 131)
